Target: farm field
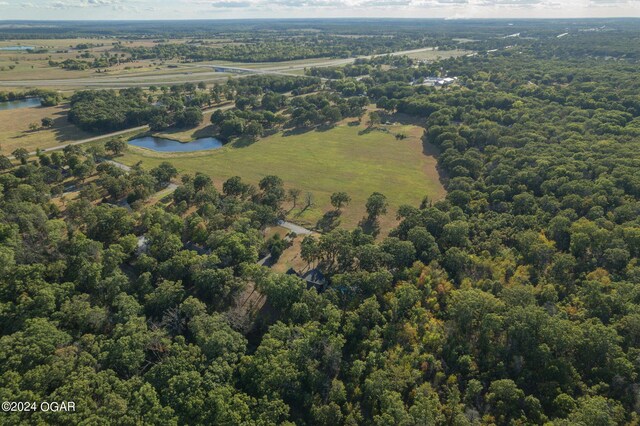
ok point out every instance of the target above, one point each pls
(345, 158)
(32, 70)
(15, 132)
(432, 55)
(21, 65)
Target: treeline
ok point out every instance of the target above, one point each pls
(178, 105)
(105, 60)
(259, 84)
(47, 97)
(273, 49)
(256, 116)
(337, 73)
(360, 67)
(261, 104)
(251, 123)
(108, 110)
(322, 109)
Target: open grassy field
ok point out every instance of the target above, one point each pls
(203, 130)
(344, 158)
(21, 65)
(15, 133)
(433, 55)
(33, 69)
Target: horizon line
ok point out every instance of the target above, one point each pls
(337, 18)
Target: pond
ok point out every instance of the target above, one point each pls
(17, 47)
(20, 103)
(169, 145)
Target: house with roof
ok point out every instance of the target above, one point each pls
(313, 277)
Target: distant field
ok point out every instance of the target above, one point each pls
(56, 43)
(432, 55)
(33, 69)
(36, 65)
(21, 69)
(321, 162)
(15, 133)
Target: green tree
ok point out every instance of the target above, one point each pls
(116, 146)
(47, 122)
(21, 154)
(376, 205)
(340, 199)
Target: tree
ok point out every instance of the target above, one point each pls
(190, 117)
(116, 146)
(276, 246)
(282, 290)
(33, 127)
(254, 130)
(308, 197)
(5, 163)
(84, 170)
(506, 400)
(21, 154)
(309, 249)
(456, 234)
(294, 193)
(376, 205)
(235, 187)
(216, 286)
(47, 122)
(374, 118)
(95, 152)
(164, 172)
(232, 127)
(165, 296)
(340, 199)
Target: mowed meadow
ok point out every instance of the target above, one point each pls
(349, 158)
(15, 132)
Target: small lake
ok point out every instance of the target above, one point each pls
(169, 145)
(17, 48)
(20, 103)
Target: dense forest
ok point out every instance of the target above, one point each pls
(513, 301)
(107, 110)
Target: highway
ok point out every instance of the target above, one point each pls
(184, 75)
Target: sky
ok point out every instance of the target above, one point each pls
(251, 9)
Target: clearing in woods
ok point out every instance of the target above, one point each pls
(15, 132)
(348, 157)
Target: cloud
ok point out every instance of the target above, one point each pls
(228, 4)
(397, 4)
(386, 3)
(68, 4)
(614, 2)
(181, 9)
